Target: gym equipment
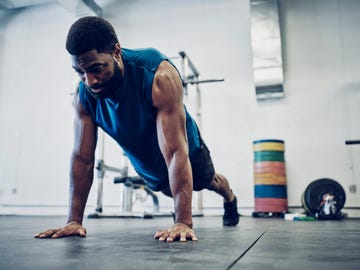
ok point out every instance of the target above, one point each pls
(354, 161)
(267, 63)
(269, 178)
(133, 184)
(323, 199)
(191, 76)
(348, 142)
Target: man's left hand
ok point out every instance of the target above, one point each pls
(179, 231)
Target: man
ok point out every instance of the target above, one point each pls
(136, 97)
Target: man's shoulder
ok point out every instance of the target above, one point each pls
(143, 56)
(81, 91)
(142, 51)
(85, 98)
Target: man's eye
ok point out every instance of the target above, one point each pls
(97, 69)
(79, 72)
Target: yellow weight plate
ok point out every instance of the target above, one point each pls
(269, 179)
(268, 146)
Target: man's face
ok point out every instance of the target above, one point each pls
(99, 71)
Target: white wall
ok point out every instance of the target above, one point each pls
(318, 114)
(321, 71)
(35, 107)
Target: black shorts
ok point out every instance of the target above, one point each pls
(203, 170)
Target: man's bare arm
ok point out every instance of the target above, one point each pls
(82, 162)
(171, 128)
(81, 174)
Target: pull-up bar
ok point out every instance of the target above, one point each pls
(347, 142)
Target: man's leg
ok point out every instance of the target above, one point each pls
(220, 185)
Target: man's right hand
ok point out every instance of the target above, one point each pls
(73, 228)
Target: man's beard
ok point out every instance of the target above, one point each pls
(110, 86)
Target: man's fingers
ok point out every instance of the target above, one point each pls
(46, 234)
(157, 234)
(183, 237)
(161, 235)
(193, 236)
(60, 233)
(82, 232)
(171, 237)
(176, 233)
(69, 230)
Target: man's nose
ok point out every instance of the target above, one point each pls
(90, 79)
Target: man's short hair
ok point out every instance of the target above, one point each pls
(90, 33)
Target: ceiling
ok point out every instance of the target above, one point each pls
(78, 7)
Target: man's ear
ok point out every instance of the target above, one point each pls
(117, 52)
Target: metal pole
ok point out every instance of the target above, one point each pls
(185, 72)
(186, 65)
(100, 171)
(199, 121)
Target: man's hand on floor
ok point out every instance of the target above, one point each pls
(73, 228)
(179, 231)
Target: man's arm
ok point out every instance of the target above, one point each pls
(81, 174)
(82, 162)
(171, 129)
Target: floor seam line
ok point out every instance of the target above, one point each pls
(246, 251)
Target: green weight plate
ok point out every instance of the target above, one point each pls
(269, 156)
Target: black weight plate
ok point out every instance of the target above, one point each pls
(313, 194)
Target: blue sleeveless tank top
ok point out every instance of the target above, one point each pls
(130, 118)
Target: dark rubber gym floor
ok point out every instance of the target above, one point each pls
(257, 243)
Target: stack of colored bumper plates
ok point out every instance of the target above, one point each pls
(270, 176)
